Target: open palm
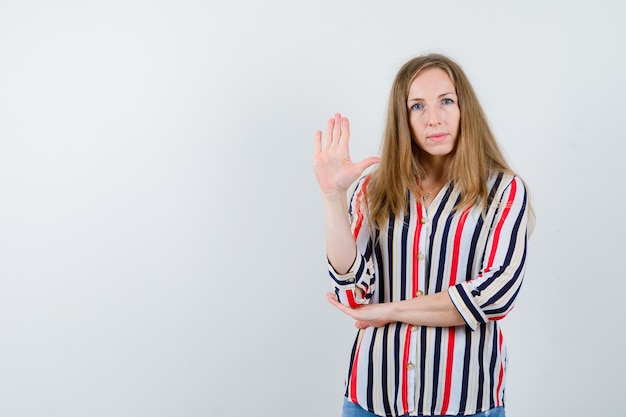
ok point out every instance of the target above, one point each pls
(332, 165)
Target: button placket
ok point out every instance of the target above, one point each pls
(420, 247)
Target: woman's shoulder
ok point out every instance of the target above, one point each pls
(502, 180)
(509, 188)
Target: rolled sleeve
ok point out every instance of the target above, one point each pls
(491, 294)
(360, 275)
(464, 302)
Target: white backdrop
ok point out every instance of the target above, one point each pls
(161, 242)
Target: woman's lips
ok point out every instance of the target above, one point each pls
(437, 137)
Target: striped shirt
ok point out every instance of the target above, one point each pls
(478, 257)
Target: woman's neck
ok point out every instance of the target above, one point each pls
(437, 171)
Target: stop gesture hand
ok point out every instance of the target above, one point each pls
(333, 168)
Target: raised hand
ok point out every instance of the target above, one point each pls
(333, 168)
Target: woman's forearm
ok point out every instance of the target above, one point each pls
(340, 244)
(432, 310)
(436, 310)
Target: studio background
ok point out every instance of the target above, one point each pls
(161, 230)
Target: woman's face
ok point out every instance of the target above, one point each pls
(434, 114)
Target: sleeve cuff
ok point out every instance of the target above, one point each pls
(463, 300)
(359, 275)
(349, 278)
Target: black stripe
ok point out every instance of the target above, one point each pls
(444, 249)
(339, 281)
(422, 371)
(469, 304)
(492, 364)
(390, 231)
(404, 255)
(359, 271)
(467, 358)
(385, 371)
(368, 255)
(469, 275)
(481, 366)
(380, 288)
(370, 373)
(433, 233)
(494, 189)
(397, 371)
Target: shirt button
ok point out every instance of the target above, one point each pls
(413, 328)
(419, 293)
(420, 256)
(410, 365)
(351, 280)
(423, 220)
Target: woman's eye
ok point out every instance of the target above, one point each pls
(417, 106)
(447, 101)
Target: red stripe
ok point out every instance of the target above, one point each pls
(501, 375)
(351, 301)
(357, 208)
(405, 372)
(496, 234)
(353, 376)
(449, 363)
(416, 240)
(451, 331)
(457, 246)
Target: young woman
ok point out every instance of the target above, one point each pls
(428, 252)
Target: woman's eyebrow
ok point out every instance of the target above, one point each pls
(440, 95)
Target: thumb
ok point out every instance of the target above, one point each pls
(367, 162)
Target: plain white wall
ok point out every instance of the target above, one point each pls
(161, 242)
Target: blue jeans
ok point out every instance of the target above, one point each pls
(351, 409)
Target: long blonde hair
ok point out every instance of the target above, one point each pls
(475, 156)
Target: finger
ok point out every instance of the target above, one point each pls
(332, 298)
(345, 131)
(337, 128)
(333, 301)
(318, 142)
(328, 136)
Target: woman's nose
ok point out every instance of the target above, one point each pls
(434, 116)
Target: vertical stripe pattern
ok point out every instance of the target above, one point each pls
(476, 255)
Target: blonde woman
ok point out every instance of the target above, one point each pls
(426, 252)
